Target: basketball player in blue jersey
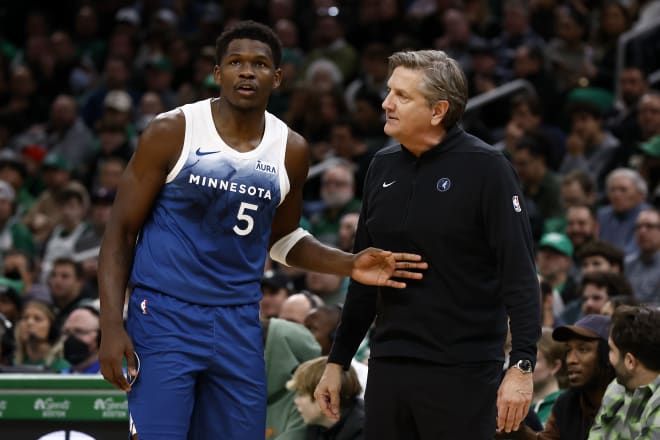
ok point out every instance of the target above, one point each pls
(212, 187)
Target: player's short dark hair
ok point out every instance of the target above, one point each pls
(636, 330)
(250, 30)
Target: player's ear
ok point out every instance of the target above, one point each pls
(277, 78)
(217, 76)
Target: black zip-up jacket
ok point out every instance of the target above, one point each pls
(460, 206)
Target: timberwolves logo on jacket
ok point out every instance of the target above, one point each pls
(443, 184)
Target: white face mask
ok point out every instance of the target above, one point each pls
(336, 198)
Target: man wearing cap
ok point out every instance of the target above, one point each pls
(631, 405)
(554, 260)
(276, 287)
(589, 373)
(118, 107)
(13, 235)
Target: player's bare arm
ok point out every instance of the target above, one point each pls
(158, 148)
(371, 266)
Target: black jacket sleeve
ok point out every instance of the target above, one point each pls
(508, 233)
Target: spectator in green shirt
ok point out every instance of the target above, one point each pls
(37, 337)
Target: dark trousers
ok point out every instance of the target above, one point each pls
(408, 399)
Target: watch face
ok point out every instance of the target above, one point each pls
(525, 365)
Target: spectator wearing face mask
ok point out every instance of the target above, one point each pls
(81, 337)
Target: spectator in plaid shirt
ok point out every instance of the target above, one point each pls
(631, 405)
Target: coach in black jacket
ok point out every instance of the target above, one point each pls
(437, 347)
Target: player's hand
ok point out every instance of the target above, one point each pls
(513, 399)
(115, 346)
(377, 267)
(327, 391)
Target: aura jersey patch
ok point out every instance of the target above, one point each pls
(265, 167)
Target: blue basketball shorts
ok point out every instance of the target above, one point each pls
(202, 373)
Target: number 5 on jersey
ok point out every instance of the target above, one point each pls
(244, 217)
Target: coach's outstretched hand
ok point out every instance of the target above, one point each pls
(115, 346)
(377, 267)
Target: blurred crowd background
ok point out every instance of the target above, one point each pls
(568, 90)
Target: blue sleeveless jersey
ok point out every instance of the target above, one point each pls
(206, 238)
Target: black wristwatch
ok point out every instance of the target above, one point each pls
(524, 365)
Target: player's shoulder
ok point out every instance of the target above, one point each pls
(295, 140)
(164, 136)
(166, 124)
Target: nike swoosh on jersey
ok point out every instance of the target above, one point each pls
(199, 152)
(385, 184)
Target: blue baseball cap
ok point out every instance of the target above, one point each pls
(589, 327)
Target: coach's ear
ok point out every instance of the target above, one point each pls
(440, 109)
